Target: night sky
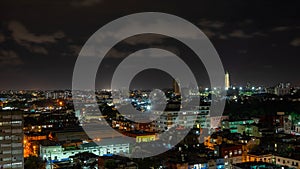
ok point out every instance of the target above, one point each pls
(258, 41)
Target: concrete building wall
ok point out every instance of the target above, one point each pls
(11, 139)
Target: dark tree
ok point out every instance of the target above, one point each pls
(34, 162)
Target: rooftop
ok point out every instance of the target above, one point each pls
(107, 141)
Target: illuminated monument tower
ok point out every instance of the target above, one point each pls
(227, 81)
(176, 87)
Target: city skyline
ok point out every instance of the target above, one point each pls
(169, 84)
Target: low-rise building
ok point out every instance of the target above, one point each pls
(258, 165)
(285, 161)
(55, 152)
(232, 124)
(231, 153)
(107, 146)
(249, 130)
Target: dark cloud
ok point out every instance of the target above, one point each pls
(211, 24)
(209, 33)
(295, 42)
(39, 50)
(240, 34)
(84, 3)
(219, 30)
(2, 38)
(242, 51)
(31, 41)
(280, 28)
(223, 37)
(149, 40)
(21, 35)
(9, 58)
(74, 49)
(258, 33)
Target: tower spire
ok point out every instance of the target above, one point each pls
(227, 80)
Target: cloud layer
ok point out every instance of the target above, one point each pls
(84, 3)
(33, 42)
(295, 42)
(9, 58)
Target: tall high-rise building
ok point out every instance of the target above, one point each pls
(227, 81)
(11, 139)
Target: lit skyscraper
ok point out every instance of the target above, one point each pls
(11, 139)
(227, 81)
